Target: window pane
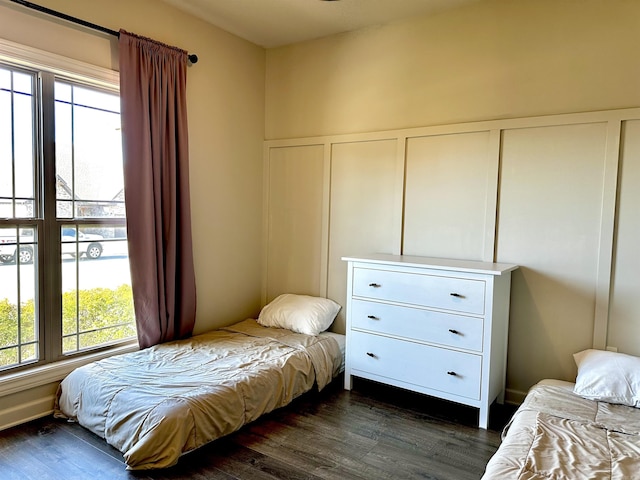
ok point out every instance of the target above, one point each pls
(5, 79)
(6, 155)
(18, 308)
(96, 99)
(64, 162)
(97, 302)
(23, 83)
(89, 155)
(23, 147)
(17, 153)
(62, 91)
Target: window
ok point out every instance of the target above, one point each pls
(65, 287)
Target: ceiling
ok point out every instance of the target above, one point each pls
(273, 23)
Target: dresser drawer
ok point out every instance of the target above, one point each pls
(449, 293)
(413, 323)
(422, 365)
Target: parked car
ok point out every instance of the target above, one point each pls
(8, 250)
(87, 244)
(8, 246)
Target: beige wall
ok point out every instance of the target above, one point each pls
(226, 113)
(493, 59)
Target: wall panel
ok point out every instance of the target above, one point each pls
(549, 219)
(364, 191)
(624, 317)
(294, 224)
(448, 181)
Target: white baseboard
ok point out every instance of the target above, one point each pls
(25, 412)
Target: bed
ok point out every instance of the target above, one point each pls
(584, 430)
(156, 404)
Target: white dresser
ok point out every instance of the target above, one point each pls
(430, 325)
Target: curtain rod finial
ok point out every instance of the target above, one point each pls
(193, 58)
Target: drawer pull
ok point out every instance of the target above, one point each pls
(373, 317)
(457, 295)
(372, 355)
(453, 374)
(455, 332)
(375, 285)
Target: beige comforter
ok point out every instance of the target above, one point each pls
(156, 404)
(556, 434)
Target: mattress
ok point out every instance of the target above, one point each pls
(342, 345)
(158, 403)
(556, 434)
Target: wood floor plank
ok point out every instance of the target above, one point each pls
(372, 432)
(313, 453)
(44, 450)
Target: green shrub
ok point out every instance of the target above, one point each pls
(89, 318)
(105, 315)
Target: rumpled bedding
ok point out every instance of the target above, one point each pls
(158, 403)
(555, 434)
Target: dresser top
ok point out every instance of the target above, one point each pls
(435, 263)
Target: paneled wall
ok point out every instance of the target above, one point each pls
(364, 214)
(624, 325)
(295, 205)
(551, 190)
(450, 188)
(556, 195)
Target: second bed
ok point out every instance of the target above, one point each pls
(584, 430)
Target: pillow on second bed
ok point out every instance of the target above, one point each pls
(299, 313)
(608, 377)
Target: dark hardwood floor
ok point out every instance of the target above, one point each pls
(372, 432)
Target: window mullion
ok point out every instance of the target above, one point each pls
(13, 150)
(50, 256)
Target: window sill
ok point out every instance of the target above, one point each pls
(54, 372)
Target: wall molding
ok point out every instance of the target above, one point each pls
(485, 125)
(29, 57)
(613, 119)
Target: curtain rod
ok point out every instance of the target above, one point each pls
(193, 58)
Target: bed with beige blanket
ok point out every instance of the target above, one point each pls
(158, 403)
(557, 434)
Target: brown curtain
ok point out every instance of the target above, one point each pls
(156, 179)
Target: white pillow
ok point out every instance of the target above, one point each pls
(608, 377)
(299, 313)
